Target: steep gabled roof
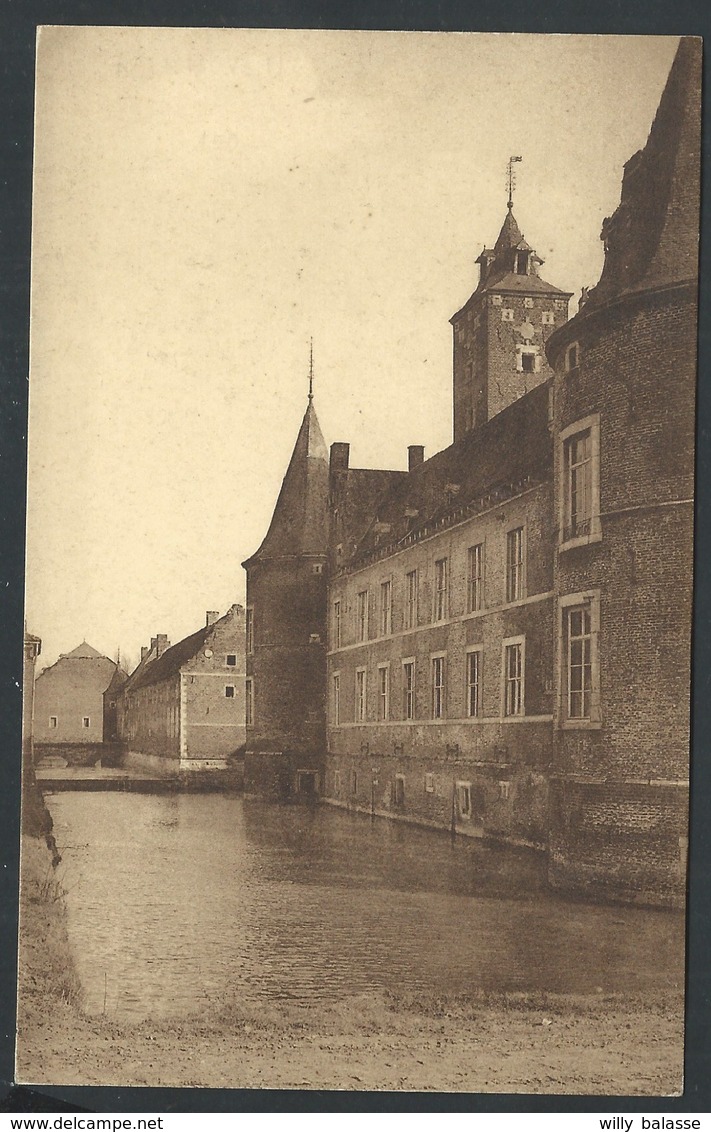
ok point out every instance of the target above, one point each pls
(501, 458)
(299, 523)
(652, 237)
(172, 660)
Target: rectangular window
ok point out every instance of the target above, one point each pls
(475, 578)
(249, 702)
(249, 630)
(572, 357)
(85, 721)
(362, 616)
(528, 361)
(547, 318)
(360, 704)
(384, 692)
(411, 594)
(229, 691)
(507, 314)
(386, 598)
(399, 790)
(429, 783)
(438, 687)
(579, 487)
(441, 603)
(578, 647)
(577, 453)
(354, 782)
(336, 698)
(464, 799)
(231, 660)
(514, 565)
(336, 624)
(53, 721)
(336, 782)
(473, 683)
(513, 678)
(408, 689)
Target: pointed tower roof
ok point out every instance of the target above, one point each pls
(498, 267)
(651, 239)
(510, 234)
(118, 679)
(299, 524)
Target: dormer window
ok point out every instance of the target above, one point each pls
(522, 262)
(485, 261)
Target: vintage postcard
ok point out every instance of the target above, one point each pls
(359, 575)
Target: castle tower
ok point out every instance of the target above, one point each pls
(501, 331)
(623, 429)
(286, 630)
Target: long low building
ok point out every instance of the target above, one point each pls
(183, 708)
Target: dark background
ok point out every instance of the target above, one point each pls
(18, 23)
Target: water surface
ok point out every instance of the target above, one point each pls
(179, 901)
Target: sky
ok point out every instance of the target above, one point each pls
(205, 202)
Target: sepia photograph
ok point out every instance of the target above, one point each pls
(359, 561)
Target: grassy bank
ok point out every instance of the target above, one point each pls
(476, 1043)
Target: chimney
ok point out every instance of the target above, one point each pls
(161, 644)
(211, 617)
(144, 651)
(415, 456)
(154, 643)
(340, 454)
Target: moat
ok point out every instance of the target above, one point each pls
(179, 902)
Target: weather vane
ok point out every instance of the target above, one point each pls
(511, 178)
(311, 370)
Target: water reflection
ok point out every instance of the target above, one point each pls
(177, 901)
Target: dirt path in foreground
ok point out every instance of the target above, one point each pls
(542, 1044)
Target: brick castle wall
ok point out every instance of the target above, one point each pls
(287, 667)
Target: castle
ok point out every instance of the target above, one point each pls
(497, 641)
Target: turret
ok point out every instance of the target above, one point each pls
(286, 629)
(501, 331)
(622, 423)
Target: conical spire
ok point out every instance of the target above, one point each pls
(652, 237)
(299, 524)
(510, 234)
